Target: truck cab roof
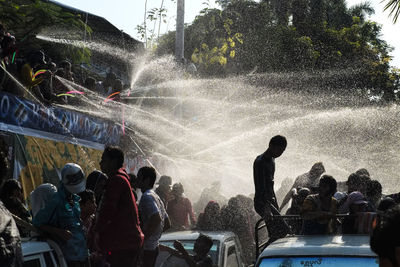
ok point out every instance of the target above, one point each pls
(325, 245)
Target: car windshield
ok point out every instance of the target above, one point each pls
(320, 262)
(189, 244)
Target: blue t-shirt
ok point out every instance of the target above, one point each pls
(150, 204)
(59, 213)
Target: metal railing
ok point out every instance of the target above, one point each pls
(260, 225)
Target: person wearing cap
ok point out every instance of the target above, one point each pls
(180, 209)
(360, 215)
(117, 229)
(60, 217)
(308, 180)
(164, 189)
(40, 196)
(355, 183)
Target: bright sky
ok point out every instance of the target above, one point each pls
(127, 14)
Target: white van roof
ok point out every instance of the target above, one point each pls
(326, 245)
(193, 235)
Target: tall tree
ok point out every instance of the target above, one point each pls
(317, 13)
(338, 15)
(362, 10)
(300, 14)
(394, 7)
(281, 8)
(29, 17)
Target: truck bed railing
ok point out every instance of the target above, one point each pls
(367, 222)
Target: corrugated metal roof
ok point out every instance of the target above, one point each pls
(102, 28)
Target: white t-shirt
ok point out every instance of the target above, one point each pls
(150, 204)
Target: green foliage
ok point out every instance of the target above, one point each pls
(153, 16)
(26, 18)
(322, 35)
(394, 7)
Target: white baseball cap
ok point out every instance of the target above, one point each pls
(73, 178)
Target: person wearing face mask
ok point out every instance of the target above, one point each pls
(60, 218)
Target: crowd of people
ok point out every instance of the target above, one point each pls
(361, 208)
(98, 221)
(112, 218)
(36, 74)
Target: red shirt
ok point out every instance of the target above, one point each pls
(117, 220)
(180, 211)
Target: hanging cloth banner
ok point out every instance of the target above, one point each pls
(31, 115)
(38, 160)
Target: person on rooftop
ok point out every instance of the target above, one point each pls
(28, 79)
(265, 203)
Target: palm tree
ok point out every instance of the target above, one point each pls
(394, 7)
(362, 10)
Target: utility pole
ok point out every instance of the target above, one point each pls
(180, 35)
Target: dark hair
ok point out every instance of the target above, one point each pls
(60, 72)
(385, 237)
(374, 188)
(354, 179)
(65, 64)
(330, 181)
(36, 57)
(118, 85)
(9, 187)
(94, 178)
(115, 153)
(148, 172)
(133, 180)
(362, 171)
(206, 240)
(7, 40)
(386, 203)
(4, 166)
(86, 196)
(90, 83)
(278, 140)
(178, 187)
